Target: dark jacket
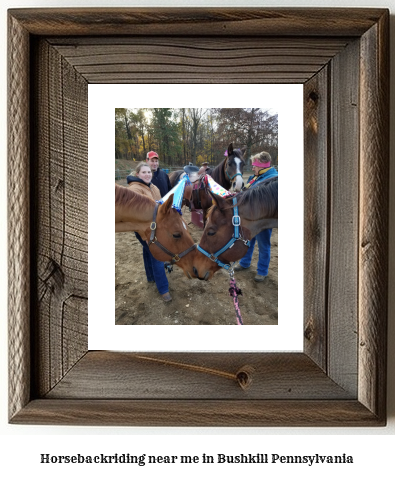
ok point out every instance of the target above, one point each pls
(135, 179)
(161, 181)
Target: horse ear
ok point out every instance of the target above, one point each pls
(166, 206)
(219, 201)
(230, 149)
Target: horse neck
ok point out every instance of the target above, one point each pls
(175, 176)
(219, 175)
(258, 225)
(134, 218)
(255, 222)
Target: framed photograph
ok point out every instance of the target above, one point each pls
(195, 303)
(341, 57)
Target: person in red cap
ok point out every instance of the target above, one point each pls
(159, 177)
(261, 165)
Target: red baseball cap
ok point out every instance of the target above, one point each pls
(152, 154)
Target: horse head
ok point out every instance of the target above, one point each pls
(193, 175)
(234, 167)
(171, 238)
(217, 233)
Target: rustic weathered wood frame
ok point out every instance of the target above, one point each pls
(342, 57)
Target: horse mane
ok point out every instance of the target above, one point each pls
(265, 193)
(126, 197)
(218, 174)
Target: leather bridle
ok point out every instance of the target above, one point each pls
(153, 240)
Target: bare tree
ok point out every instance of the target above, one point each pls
(196, 115)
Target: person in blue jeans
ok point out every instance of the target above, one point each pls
(261, 165)
(155, 271)
(141, 182)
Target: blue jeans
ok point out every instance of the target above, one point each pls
(154, 269)
(263, 239)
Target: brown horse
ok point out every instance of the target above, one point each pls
(228, 174)
(135, 212)
(257, 209)
(176, 176)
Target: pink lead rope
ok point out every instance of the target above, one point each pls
(234, 291)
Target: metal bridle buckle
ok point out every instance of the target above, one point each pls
(153, 226)
(213, 258)
(175, 258)
(237, 219)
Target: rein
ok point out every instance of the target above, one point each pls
(234, 291)
(236, 237)
(153, 240)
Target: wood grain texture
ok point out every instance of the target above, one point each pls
(253, 22)
(343, 223)
(373, 232)
(316, 214)
(204, 375)
(202, 413)
(340, 377)
(192, 60)
(18, 214)
(61, 199)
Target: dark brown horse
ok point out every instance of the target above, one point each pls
(193, 175)
(228, 174)
(257, 210)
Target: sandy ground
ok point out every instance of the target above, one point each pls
(195, 302)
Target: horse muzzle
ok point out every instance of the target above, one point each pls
(238, 183)
(206, 275)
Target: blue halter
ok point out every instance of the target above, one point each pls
(236, 236)
(230, 178)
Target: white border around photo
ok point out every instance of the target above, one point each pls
(287, 101)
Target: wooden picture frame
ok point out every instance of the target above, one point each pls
(342, 58)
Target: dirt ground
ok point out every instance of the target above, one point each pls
(195, 302)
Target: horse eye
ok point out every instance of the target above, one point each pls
(177, 236)
(211, 233)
